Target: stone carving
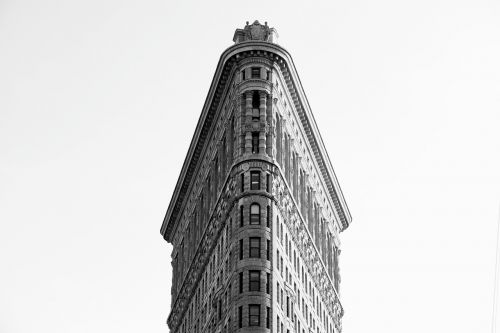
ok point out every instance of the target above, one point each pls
(256, 31)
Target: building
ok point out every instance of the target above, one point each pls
(257, 211)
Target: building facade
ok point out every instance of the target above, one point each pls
(257, 210)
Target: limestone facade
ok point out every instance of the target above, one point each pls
(257, 211)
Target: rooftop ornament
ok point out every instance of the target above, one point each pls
(256, 32)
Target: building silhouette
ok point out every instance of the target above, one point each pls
(257, 210)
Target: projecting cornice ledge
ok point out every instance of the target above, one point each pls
(252, 48)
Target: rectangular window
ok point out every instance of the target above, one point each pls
(281, 265)
(220, 309)
(241, 282)
(268, 183)
(255, 180)
(241, 216)
(268, 217)
(254, 281)
(268, 281)
(268, 75)
(241, 249)
(254, 315)
(268, 317)
(278, 259)
(255, 142)
(242, 182)
(255, 72)
(240, 317)
(254, 247)
(268, 250)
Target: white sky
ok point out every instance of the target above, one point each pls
(98, 104)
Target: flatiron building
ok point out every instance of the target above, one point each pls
(256, 214)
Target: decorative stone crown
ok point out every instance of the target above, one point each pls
(255, 31)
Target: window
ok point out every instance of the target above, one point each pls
(254, 315)
(255, 72)
(241, 216)
(243, 75)
(278, 259)
(268, 317)
(268, 217)
(242, 182)
(220, 309)
(255, 114)
(268, 75)
(254, 247)
(255, 142)
(268, 183)
(255, 180)
(254, 281)
(241, 282)
(268, 278)
(240, 317)
(255, 214)
(268, 250)
(241, 249)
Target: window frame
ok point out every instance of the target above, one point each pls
(254, 280)
(254, 218)
(255, 177)
(255, 316)
(254, 252)
(255, 142)
(255, 72)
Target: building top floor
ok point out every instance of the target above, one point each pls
(275, 74)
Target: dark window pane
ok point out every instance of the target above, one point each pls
(241, 216)
(255, 247)
(254, 281)
(255, 180)
(255, 72)
(255, 142)
(254, 315)
(241, 249)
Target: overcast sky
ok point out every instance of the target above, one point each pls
(98, 104)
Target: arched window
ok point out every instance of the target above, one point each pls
(255, 214)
